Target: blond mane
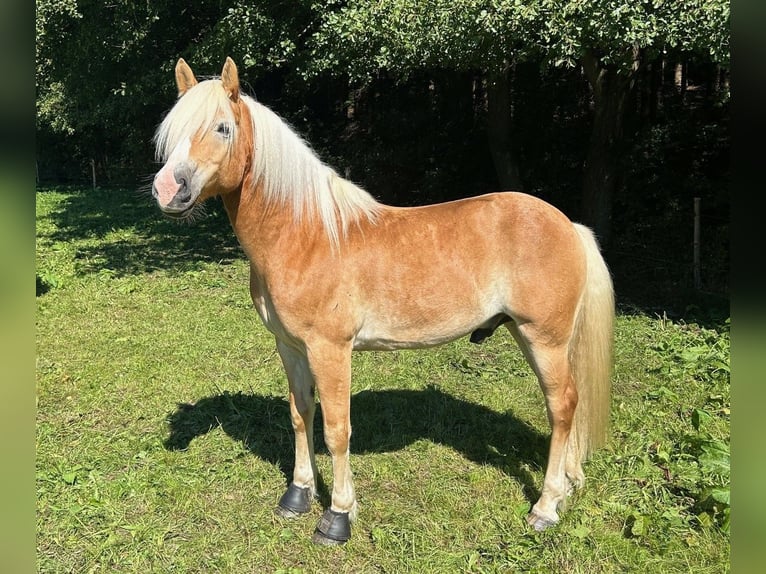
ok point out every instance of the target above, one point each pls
(289, 172)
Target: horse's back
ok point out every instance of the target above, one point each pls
(512, 216)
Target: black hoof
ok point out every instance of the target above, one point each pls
(294, 502)
(334, 528)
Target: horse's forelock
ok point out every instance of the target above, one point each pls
(196, 111)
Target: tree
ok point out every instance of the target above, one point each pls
(605, 37)
(362, 39)
(103, 69)
(611, 39)
(99, 69)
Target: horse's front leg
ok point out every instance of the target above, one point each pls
(302, 490)
(331, 367)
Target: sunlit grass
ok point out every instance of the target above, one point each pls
(163, 437)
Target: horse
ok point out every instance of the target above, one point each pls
(333, 270)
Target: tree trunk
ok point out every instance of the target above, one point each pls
(499, 121)
(679, 77)
(611, 91)
(650, 82)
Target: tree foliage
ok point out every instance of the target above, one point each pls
(609, 39)
(102, 69)
(99, 65)
(611, 28)
(361, 38)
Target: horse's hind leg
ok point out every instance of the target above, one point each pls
(550, 361)
(301, 491)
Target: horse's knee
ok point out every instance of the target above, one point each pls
(301, 421)
(337, 437)
(561, 400)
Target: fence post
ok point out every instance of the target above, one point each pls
(93, 171)
(697, 274)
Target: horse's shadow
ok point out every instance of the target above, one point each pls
(383, 421)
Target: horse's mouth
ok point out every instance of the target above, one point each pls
(180, 214)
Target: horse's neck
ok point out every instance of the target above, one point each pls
(268, 234)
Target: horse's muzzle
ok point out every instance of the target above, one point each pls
(182, 202)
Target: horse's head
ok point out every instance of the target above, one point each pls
(203, 141)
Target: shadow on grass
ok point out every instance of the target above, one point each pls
(149, 242)
(383, 421)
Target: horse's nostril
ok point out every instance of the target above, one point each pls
(184, 192)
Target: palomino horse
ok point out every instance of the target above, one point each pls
(332, 271)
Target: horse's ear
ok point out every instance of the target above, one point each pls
(230, 79)
(185, 79)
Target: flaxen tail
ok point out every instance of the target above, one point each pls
(590, 353)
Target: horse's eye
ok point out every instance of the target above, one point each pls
(223, 129)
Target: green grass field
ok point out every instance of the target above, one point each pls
(164, 441)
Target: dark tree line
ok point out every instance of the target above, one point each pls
(615, 111)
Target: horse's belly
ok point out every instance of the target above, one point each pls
(433, 318)
(384, 336)
(394, 343)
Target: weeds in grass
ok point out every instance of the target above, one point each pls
(701, 456)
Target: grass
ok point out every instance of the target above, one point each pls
(164, 442)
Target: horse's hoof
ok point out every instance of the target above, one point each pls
(334, 528)
(294, 502)
(539, 523)
(285, 513)
(322, 540)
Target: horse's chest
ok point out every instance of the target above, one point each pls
(266, 310)
(265, 307)
(278, 316)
